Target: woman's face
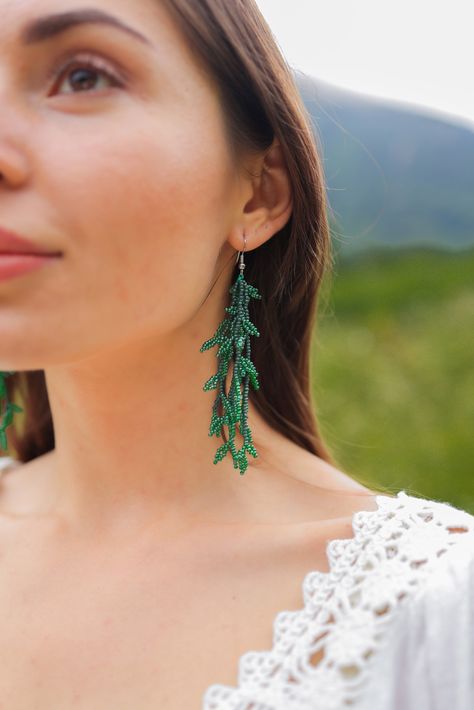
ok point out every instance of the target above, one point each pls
(124, 167)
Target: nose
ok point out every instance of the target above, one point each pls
(13, 170)
(14, 133)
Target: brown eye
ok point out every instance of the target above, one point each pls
(85, 74)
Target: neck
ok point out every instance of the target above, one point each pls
(131, 435)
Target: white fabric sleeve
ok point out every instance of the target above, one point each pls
(428, 658)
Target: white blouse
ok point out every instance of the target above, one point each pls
(389, 627)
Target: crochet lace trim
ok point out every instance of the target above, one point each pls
(324, 650)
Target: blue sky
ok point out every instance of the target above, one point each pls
(416, 51)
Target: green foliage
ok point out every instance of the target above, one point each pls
(393, 371)
(10, 409)
(233, 338)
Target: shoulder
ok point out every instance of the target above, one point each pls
(426, 526)
(21, 489)
(435, 515)
(377, 630)
(437, 540)
(420, 537)
(7, 462)
(398, 604)
(423, 586)
(400, 550)
(7, 483)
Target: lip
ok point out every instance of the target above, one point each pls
(11, 243)
(12, 265)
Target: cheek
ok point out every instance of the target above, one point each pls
(145, 214)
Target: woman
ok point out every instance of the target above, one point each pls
(146, 146)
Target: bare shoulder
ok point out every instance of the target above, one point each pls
(299, 486)
(21, 485)
(305, 503)
(292, 460)
(8, 465)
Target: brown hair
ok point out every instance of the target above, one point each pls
(261, 102)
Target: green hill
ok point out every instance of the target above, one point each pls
(395, 175)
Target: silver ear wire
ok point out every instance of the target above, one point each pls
(240, 255)
(242, 265)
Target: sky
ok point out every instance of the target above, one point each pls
(419, 52)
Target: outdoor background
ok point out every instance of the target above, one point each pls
(390, 95)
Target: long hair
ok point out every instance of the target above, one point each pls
(261, 101)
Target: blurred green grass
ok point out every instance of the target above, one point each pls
(393, 371)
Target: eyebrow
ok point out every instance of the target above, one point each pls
(44, 28)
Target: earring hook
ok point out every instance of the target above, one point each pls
(240, 255)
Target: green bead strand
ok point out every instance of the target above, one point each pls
(10, 409)
(233, 337)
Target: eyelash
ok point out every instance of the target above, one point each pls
(85, 61)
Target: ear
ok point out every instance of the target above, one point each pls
(271, 203)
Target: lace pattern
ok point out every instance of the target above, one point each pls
(321, 654)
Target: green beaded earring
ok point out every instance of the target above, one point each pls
(233, 337)
(10, 409)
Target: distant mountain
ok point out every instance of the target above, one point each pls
(395, 175)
